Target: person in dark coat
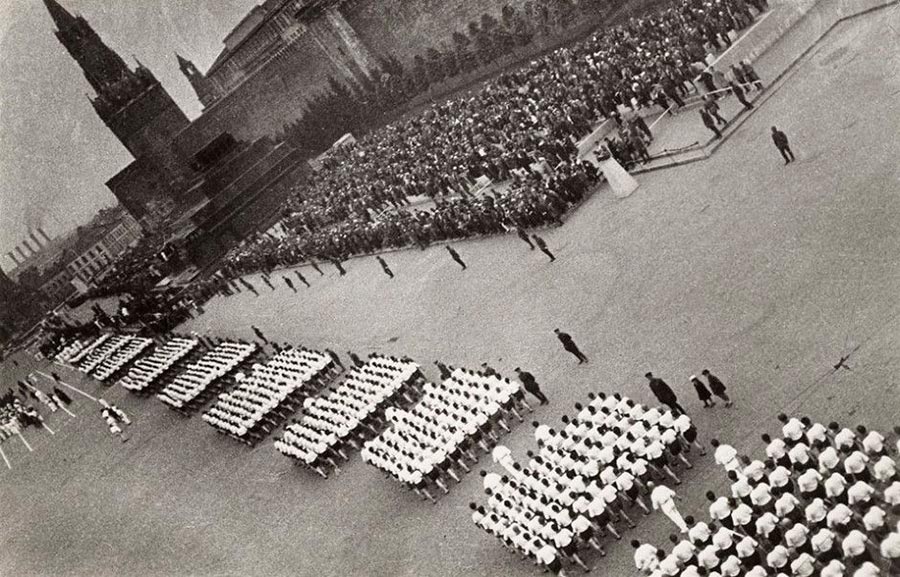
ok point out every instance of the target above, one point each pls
(259, 334)
(524, 236)
(530, 384)
(355, 359)
(455, 256)
(289, 283)
(302, 278)
(710, 123)
(781, 143)
(739, 94)
(712, 107)
(62, 396)
(570, 346)
(338, 266)
(542, 245)
(443, 369)
(384, 266)
(316, 266)
(334, 356)
(750, 74)
(717, 387)
(702, 392)
(664, 393)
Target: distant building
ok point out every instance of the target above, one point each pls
(198, 185)
(18, 307)
(97, 249)
(83, 257)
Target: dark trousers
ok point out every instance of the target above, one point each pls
(786, 153)
(578, 354)
(673, 404)
(715, 130)
(547, 252)
(536, 391)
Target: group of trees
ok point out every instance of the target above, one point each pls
(359, 107)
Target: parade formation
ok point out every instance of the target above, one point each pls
(664, 317)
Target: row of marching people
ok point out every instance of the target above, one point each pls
(192, 385)
(251, 411)
(103, 352)
(584, 478)
(145, 372)
(68, 352)
(351, 413)
(87, 349)
(825, 501)
(433, 439)
(115, 362)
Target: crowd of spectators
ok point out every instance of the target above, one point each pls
(354, 203)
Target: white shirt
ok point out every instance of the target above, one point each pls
(725, 455)
(645, 558)
(661, 495)
(890, 547)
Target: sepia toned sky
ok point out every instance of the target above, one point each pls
(55, 153)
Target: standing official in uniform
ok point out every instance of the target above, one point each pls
(455, 256)
(781, 143)
(570, 345)
(384, 266)
(542, 245)
(664, 393)
(717, 387)
(530, 384)
(302, 278)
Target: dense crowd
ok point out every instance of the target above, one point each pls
(192, 385)
(344, 417)
(354, 203)
(430, 441)
(583, 478)
(825, 501)
(251, 410)
(147, 371)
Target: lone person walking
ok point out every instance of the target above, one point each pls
(334, 357)
(570, 345)
(710, 123)
(524, 236)
(384, 266)
(664, 393)
(289, 283)
(781, 143)
(712, 107)
(530, 384)
(337, 264)
(302, 278)
(702, 392)
(739, 94)
(455, 256)
(542, 245)
(663, 499)
(259, 334)
(717, 387)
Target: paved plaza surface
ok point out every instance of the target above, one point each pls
(763, 273)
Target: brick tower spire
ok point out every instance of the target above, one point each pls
(133, 105)
(104, 69)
